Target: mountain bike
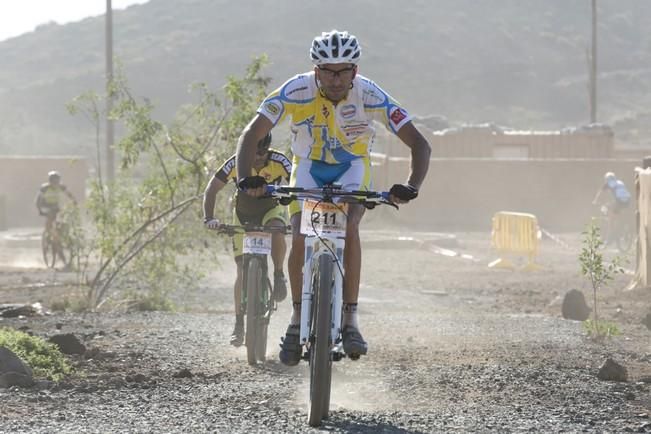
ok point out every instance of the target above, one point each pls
(323, 222)
(622, 229)
(56, 243)
(256, 301)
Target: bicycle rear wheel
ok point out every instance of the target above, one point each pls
(256, 327)
(320, 361)
(624, 238)
(48, 249)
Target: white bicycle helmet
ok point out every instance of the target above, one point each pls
(335, 47)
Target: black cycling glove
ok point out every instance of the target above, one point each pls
(251, 182)
(404, 191)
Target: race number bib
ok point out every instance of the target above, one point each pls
(257, 243)
(321, 218)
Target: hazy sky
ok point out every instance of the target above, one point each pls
(21, 16)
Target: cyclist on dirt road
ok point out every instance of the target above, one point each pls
(50, 200)
(274, 167)
(331, 110)
(618, 200)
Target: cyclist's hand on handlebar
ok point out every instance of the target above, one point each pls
(212, 223)
(402, 193)
(253, 185)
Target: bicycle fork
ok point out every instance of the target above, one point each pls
(314, 249)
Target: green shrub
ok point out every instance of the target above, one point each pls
(603, 329)
(154, 301)
(599, 273)
(44, 358)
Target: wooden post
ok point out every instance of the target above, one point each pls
(110, 134)
(593, 66)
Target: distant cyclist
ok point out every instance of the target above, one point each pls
(331, 110)
(275, 168)
(49, 202)
(618, 199)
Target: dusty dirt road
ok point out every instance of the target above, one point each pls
(454, 347)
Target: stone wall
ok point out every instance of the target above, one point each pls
(463, 194)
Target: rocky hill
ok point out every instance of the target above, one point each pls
(520, 63)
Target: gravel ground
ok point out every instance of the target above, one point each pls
(454, 347)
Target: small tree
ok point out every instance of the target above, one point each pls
(141, 226)
(599, 274)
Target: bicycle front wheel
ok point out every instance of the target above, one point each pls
(320, 361)
(264, 315)
(48, 249)
(256, 327)
(68, 250)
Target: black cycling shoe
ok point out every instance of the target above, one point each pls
(290, 347)
(237, 337)
(354, 343)
(280, 286)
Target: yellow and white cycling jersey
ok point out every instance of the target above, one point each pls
(328, 132)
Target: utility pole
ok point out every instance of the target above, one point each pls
(110, 135)
(593, 66)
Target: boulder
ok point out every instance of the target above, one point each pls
(574, 306)
(647, 320)
(610, 370)
(68, 343)
(16, 310)
(13, 371)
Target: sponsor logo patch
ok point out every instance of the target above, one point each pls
(272, 108)
(398, 115)
(298, 89)
(348, 111)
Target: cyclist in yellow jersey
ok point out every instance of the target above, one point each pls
(331, 110)
(49, 202)
(274, 167)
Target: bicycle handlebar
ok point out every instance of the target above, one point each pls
(328, 193)
(231, 230)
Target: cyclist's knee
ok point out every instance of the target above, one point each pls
(275, 223)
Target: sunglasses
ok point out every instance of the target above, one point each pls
(331, 74)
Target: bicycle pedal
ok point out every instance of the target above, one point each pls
(337, 356)
(354, 356)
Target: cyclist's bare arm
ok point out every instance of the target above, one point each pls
(70, 196)
(420, 153)
(214, 186)
(597, 196)
(39, 202)
(255, 131)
